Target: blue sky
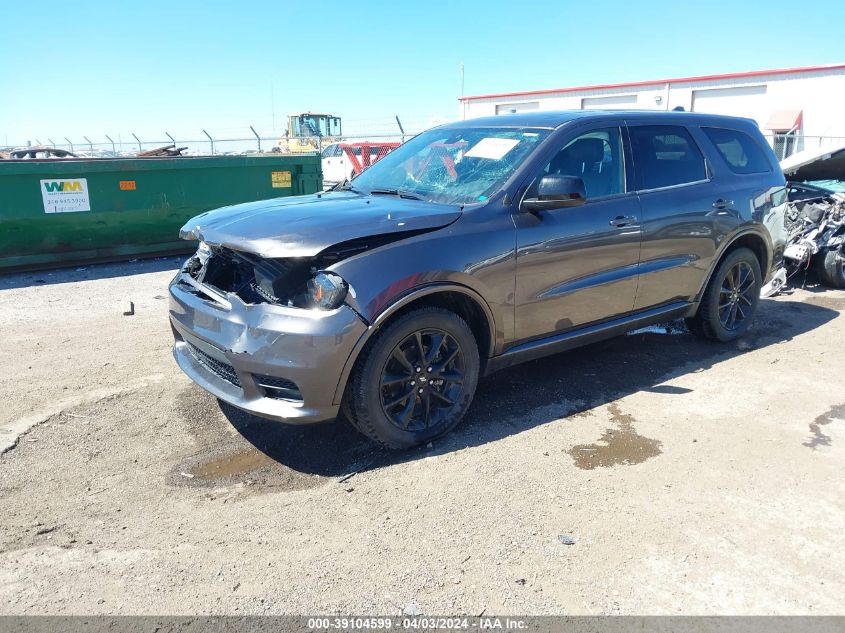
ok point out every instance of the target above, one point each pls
(92, 68)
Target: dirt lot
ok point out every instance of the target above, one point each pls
(692, 477)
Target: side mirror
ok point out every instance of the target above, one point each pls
(556, 192)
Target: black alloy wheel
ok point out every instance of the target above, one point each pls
(730, 299)
(422, 380)
(415, 379)
(736, 299)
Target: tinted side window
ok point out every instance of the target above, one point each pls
(739, 150)
(596, 157)
(665, 155)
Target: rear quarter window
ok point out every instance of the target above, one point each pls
(741, 152)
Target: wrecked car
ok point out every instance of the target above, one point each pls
(815, 217)
(472, 247)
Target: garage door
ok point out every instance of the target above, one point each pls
(745, 101)
(614, 102)
(513, 108)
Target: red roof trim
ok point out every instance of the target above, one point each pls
(657, 82)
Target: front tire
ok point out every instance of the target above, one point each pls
(830, 266)
(730, 299)
(415, 380)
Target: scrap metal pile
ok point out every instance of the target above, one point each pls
(167, 150)
(816, 229)
(816, 239)
(815, 218)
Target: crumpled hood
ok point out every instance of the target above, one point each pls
(302, 226)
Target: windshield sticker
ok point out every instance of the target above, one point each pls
(492, 148)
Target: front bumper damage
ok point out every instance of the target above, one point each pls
(277, 362)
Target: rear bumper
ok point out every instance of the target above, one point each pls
(275, 362)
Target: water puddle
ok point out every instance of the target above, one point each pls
(241, 463)
(225, 459)
(238, 466)
(819, 438)
(617, 446)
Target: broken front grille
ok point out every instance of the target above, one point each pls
(217, 367)
(252, 278)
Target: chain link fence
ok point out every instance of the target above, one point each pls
(247, 140)
(232, 141)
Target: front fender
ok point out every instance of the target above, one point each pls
(398, 304)
(475, 256)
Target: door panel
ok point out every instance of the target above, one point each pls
(679, 230)
(574, 267)
(679, 221)
(578, 265)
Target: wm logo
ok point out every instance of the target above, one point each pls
(62, 186)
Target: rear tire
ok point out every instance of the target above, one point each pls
(415, 380)
(830, 268)
(730, 299)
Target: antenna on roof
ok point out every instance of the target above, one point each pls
(678, 109)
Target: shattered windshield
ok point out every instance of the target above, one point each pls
(452, 166)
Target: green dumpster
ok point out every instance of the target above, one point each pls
(62, 212)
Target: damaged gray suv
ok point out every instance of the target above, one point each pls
(472, 247)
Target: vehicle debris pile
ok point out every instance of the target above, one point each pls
(166, 150)
(815, 224)
(815, 218)
(816, 229)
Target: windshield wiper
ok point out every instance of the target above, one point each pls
(395, 192)
(346, 185)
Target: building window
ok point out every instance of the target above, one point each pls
(786, 132)
(785, 143)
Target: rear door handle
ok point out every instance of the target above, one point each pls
(721, 203)
(623, 220)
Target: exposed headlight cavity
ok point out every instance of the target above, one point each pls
(295, 282)
(326, 291)
(203, 252)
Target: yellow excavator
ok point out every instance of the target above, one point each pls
(308, 132)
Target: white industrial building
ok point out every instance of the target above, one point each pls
(796, 108)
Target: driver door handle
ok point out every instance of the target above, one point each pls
(623, 220)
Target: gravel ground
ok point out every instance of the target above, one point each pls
(650, 474)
